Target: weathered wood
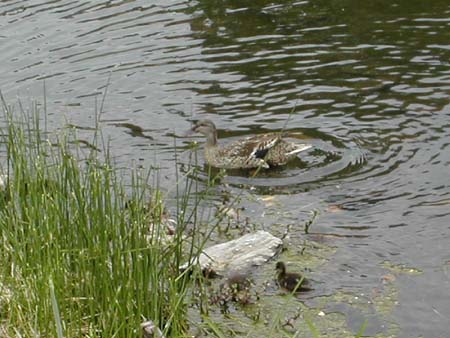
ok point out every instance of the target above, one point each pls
(239, 254)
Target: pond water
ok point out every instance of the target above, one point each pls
(370, 83)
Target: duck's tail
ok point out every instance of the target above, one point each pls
(298, 148)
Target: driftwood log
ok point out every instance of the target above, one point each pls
(239, 254)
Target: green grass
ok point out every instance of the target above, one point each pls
(84, 255)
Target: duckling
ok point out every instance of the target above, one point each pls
(291, 281)
(237, 281)
(237, 288)
(259, 151)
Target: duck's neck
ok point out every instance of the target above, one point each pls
(211, 139)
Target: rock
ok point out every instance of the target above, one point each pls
(239, 254)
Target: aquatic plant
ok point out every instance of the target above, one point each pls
(84, 253)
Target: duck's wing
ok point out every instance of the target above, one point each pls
(262, 144)
(299, 283)
(257, 146)
(251, 151)
(254, 146)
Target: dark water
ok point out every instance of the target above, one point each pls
(370, 81)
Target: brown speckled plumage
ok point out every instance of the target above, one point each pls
(291, 281)
(266, 150)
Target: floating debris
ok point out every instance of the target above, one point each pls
(150, 330)
(3, 181)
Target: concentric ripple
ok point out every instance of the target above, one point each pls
(329, 160)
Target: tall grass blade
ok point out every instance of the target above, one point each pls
(56, 314)
(362, 329)
(312, 328)
(214, 328)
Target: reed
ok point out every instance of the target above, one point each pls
(84, 254)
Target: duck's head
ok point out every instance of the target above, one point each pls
(205, 127)
(280, 267)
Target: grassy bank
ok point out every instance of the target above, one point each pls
(89, 252)
(82, 255)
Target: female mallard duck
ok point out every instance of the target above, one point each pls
(266, 150)
(291, 281)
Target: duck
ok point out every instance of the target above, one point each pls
(238, 281)
(237, 288)
(291, 281)
(259, 151)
